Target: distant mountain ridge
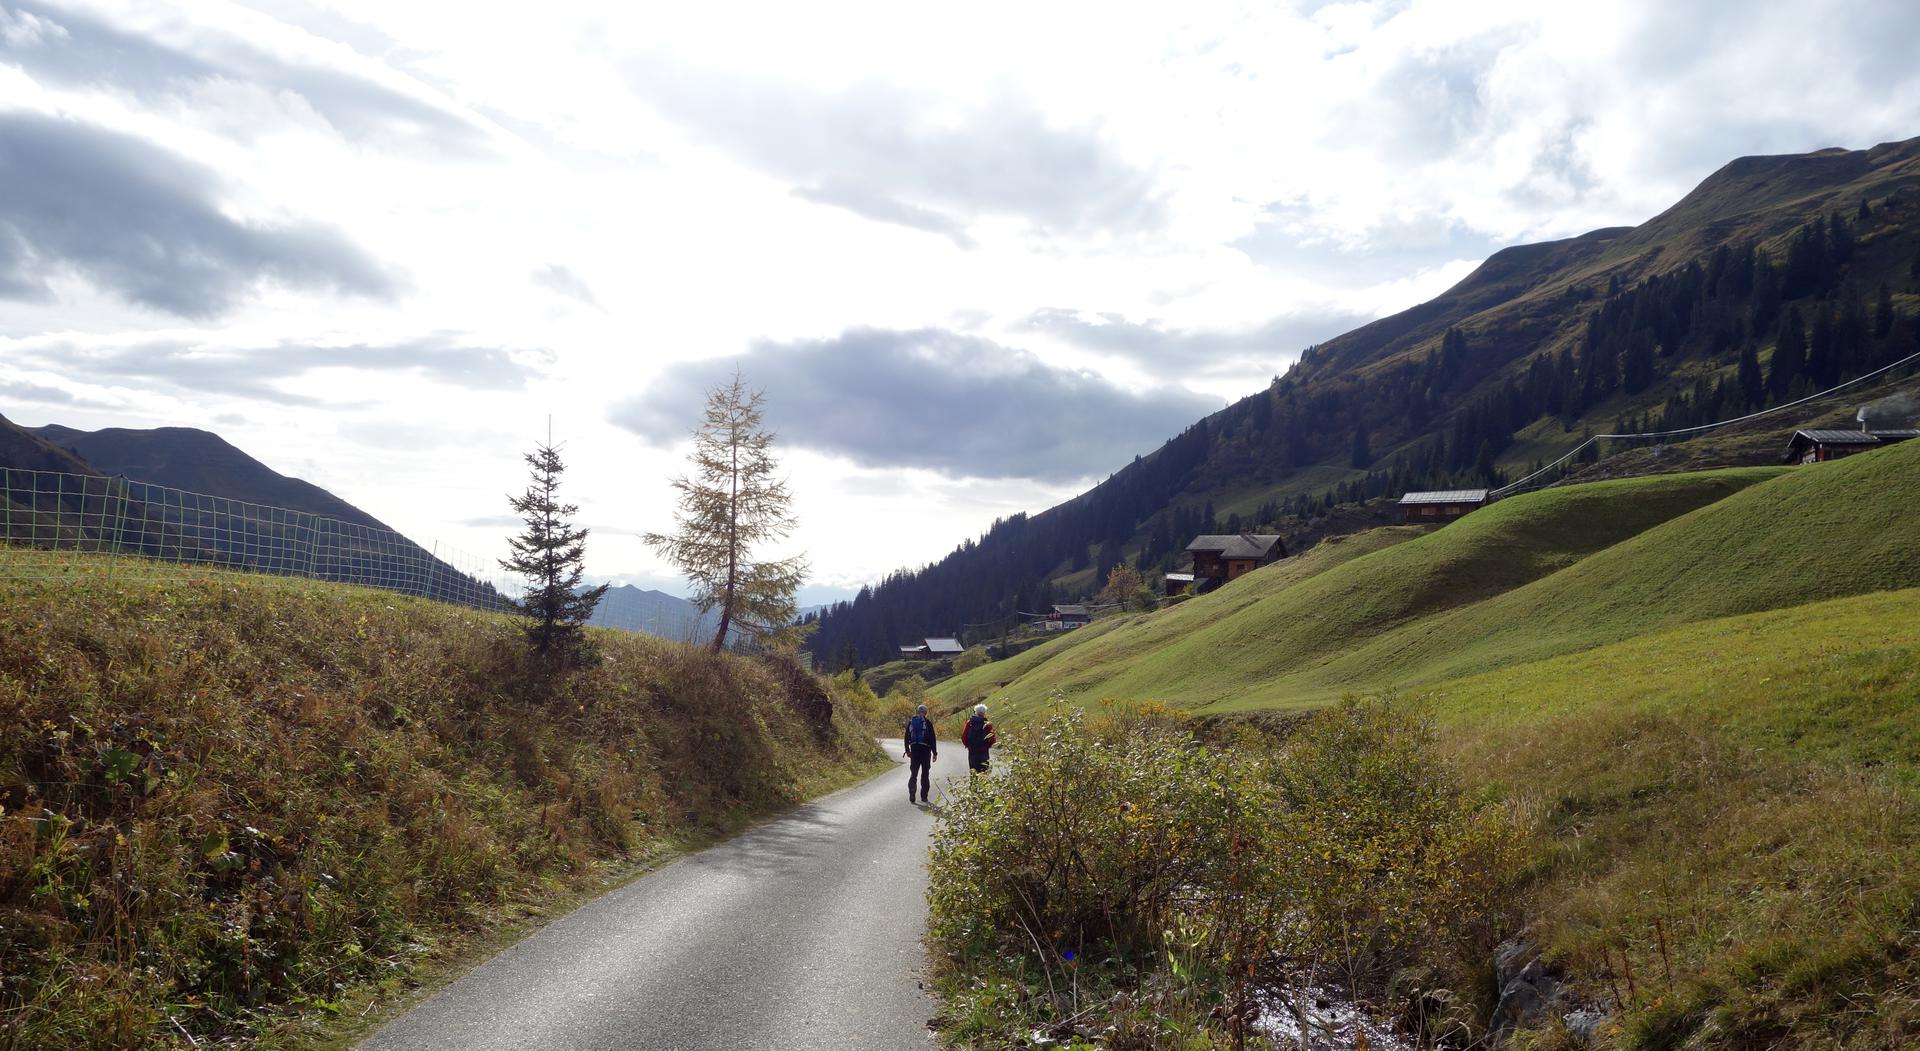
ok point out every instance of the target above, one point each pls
(655, 613)
(199, 462)
(1671, 323)
(24, 450)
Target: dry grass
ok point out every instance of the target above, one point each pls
(229, 800)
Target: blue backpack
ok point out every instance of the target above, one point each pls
(920, 731)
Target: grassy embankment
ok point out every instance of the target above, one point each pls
(1344, 615)
(246, 808)
(1715, 712)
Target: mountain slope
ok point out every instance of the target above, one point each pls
(629, 608)
(1672, 323)
(199, 462)
(1383, 619)
(26, 450)
(1532, 577)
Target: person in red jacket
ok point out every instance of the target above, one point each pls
(978, 738)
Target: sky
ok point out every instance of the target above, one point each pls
(977, 256)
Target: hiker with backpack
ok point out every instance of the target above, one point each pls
(978, 737)
(921, 749)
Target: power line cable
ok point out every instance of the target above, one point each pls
(1702, 428)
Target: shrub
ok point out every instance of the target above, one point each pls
(900, 702)
(1091, 837)
(1339, 855)
(970, 659)
(1388, 857)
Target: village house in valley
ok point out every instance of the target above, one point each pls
(1219, 558)
(1068, 616)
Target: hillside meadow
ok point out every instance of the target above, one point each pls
(1704, 689)
(249, 809)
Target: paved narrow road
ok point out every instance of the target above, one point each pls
(801, 934)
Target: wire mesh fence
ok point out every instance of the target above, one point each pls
(120, 526)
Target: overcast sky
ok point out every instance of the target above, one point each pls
(979, 256)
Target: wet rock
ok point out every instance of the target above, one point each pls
(1528, 991)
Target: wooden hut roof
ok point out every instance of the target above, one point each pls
(1446, 496)
(1236, 545)
(1839, 437)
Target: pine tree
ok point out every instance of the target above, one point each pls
(1753, 383)
(1362, 450)
(1883, 312)
(1789, 355)
(1483, 464)
(550, 555)
(1636, 368)
(732, 506)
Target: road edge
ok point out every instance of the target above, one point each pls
(362, 1010)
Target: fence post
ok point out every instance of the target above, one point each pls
(116, 486)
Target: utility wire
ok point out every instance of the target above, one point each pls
(1510, 487)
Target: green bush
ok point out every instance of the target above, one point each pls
(1092, 837)
(1348, 851)
(970, 659)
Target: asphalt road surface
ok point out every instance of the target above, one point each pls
(801, 934)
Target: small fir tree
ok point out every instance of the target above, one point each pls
(731, 506)
(549, 555)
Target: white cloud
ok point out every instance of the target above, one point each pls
(1163, 195)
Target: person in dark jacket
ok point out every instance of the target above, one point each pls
(979, 739)
(922, 749)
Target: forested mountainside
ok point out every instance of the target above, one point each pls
(1775, 277)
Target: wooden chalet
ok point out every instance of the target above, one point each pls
(1819, 446)
(1220, 557)
(1070, 615)
(1179, 583)
(939, 648)
(1441, 506)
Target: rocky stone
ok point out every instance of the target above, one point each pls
(1528, 991)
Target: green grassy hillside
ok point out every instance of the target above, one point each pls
(1703, 693)
(1836, 529)
(1111, 640)
(1288, 635)
(1729, 809)
(230, 804)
